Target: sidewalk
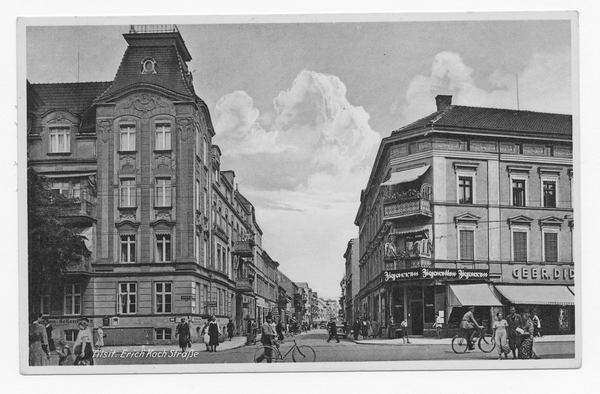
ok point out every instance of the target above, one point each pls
(448, 341)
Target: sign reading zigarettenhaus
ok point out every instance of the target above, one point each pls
(436, 273)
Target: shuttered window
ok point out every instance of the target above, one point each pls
(551, 247)
(520, 246)
(467, 245)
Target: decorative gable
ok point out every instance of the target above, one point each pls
(520, 220)
(467, 218)
(551, 221)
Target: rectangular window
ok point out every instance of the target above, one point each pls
(162, 334)
(128, 248)
(128, 192)
(60, 139)
(71, 335)
(163, 247)
(127, 298)
(518, 192)
(205, 199)
(73, 300)
(198, 195)
(218, 257)
(465, 190)
(551, 247)
(163, 137)
(549, 194)
(163, 192)
(467, 245)
(163, 297)
(45, 305)
(204, 151)
(520, 246)
(204, 254)
(127, 138)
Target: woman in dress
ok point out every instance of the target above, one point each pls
(501, 335)
(205, 336)
(39, 351)
(100, 340)
(84, 344)
(526, 348)
(213, 333)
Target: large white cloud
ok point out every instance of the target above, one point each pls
(544, 84)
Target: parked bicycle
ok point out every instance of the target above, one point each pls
(300, 353)
(485, 342)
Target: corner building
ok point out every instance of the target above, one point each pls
(137, 153)
(470, 206)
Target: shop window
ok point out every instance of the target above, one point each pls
(162, 334)
(127, 298)
(164, 295)
(429, 300)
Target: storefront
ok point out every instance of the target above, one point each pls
(418, 294)
(547, 290)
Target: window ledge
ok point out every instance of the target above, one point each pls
(59, 153)
(163, 150)
(163, 207)
(126, 152)
(127, 208)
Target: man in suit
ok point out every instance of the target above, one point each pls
(332, 328)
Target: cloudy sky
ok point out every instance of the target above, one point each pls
(300, 109)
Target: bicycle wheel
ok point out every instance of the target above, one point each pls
(459, 344)
(259, 354)
(304, 354)
(486, 343)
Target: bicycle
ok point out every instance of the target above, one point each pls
(300, 353)
(486, 342)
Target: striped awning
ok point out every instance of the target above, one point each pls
(406, 176)
(537, 295)
(478, 294)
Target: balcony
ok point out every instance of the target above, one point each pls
(244, 285)
(82, 210)
(400, 205)
(220, 232)
(83, 267)
(407, 261)
(243, 248)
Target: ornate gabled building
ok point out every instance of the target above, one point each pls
(470, 206)
(170, 234)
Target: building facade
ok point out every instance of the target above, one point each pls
(470, 206)
(170, 234)
(351, 280)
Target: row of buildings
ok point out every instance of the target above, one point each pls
(169, 232)
(467, 206)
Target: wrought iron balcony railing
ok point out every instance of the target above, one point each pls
(407, 262)
(402, 205)
(243, 248)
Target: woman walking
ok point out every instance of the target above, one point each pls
(501, 335)
(84, 344)
(205, 336)
(526, 348)
(39, 352)
(213, 333)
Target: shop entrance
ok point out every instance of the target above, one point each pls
(416, 317)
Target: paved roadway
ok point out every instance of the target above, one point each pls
(346, 350)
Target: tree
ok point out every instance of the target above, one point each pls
(52, 244)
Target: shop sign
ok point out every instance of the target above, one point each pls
(436, 273)
(530, 273)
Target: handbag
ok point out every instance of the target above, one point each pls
(520, 331)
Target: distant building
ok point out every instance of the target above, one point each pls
(470, 206)
(351, 282)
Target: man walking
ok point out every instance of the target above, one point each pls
(230, 329)
(183, 331)
(356, 329)
(332, 328)
(514, 338)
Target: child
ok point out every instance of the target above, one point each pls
(64, 353)
(439, 323)
(404, 326)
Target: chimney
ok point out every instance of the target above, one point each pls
(442, 102)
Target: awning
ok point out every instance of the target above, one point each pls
(405, 176)
(478, 294)
(537, 295)
(571, 289)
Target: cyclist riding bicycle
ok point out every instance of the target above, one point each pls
(468, 325)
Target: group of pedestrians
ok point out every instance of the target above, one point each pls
(516, 334)
(372, 329)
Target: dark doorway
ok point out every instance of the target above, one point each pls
(416, 317)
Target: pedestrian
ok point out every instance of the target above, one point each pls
(537, 324)
(230, 329)
(514, 338)
(84, 344)
(369, 328)
(49, 330)
(364, 328)
(101, 336)
(280, 329)
(205, 336)
(438, 325)
(391, 328)
(65, 357)
(374, 328)
(267, 339)
(404, 328)
(213, 333)
(332, 329)
(501, 335)
(39, 351)
(183, 332)
(468, 324)
(356, 329)
(526, 348)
